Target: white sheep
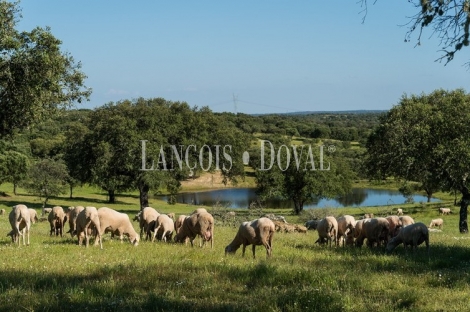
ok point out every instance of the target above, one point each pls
(376, 230)
(444, 211)
(346, 224)
(57, 219)
(72, 217)
(199, 210)
(33, 215)
(46, 211)
(411, 235)
(20, 221)
(436, 222)
(148, 218)
(88, 221)
(201, 224)
(406, 220)
(164, 227)
(395, 225)
(399, 212)
(327, 229)
(117, 223)
(2, 212)
(256, 232)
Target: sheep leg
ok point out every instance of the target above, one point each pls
(253, 247)
(155, 230)
(243, 250)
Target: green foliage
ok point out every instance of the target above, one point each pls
(47, 178)
(36, 78)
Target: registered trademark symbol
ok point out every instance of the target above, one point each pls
(331, 148)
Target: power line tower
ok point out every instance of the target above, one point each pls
(235, 104)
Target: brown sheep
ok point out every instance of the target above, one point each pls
(256, 232)
(201, 224)
(57, 219)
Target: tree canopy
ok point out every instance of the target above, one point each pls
(36, 77)
(426, 139)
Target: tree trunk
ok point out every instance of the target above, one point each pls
(112, 197)
(144, 196)
(429, 195)
(463, 225)
(14, 188)
(71, 190)
(298, 206)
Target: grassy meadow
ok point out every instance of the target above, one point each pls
(55, 274)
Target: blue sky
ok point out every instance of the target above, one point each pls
(273, 56)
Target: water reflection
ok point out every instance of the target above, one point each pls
(243, 197)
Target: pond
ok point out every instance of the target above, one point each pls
(243, 197)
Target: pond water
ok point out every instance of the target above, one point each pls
(243, 197)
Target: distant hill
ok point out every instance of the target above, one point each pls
(358, 112)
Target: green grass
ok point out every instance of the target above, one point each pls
(55, 274)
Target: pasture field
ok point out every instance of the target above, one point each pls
(55, 274)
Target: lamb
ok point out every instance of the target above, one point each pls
(147, 221)
(20, 221)
(2, 212)
(201, 224)
(346, 224)
(164, 227)
(395, 225)
(406, 220)
(399, 212)
(57, 219)
(375, 230)
(444, 211)
(436, 222)
(413, 234)
(72, 217)
(256, 232)
(87, 221)
(327, 229)
(117, 222)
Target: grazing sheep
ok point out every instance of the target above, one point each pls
(436, 222)
(399, 212)
(148, 218)
(406, 220)
(164, 227)
(72, 217)
(395, 225)
(327, 229)
(2, 212)
(172, 216)
(346, 224)
(256, 232)
(444, 211)
(137, 216)
(33, 215)
(201, 224)
(179, 223)
(20, 222)
(117, 223)
(413, 234)
(376, 230)
(88, 221)
(57, 219)
(199, 210)
(46, 211)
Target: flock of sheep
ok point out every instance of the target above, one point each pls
(85, 222)
(390, 231)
